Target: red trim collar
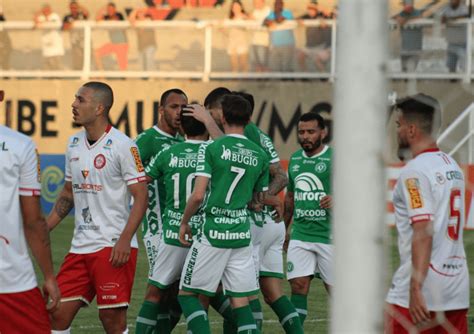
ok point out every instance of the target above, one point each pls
(429, 150)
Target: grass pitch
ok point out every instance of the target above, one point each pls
(87, 321)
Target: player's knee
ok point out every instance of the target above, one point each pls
(153, 294)
(300, 286)
(113, 320)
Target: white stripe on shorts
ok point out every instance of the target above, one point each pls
(302, 311)
(288, 317)
(146, 321)
(195, 315)
(246, 328)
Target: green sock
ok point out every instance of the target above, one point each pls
(196, 317)
(257, 313)
(163, 320)
(221, 303)
(289, 318)
(146, 319)
(245, 321)
(300, 302)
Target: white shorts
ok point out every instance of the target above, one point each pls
(152, 243)
(207, 266)
(307, 258)
(271, 250)
(256, 233)
(168, 265)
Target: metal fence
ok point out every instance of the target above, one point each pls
(206, 50)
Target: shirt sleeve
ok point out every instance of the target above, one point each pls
(417, 195)
(263, 179)
(131, 164)
(154, 168)
(30, 171)
(204, 162)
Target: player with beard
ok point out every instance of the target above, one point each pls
(150, 143)
(308, 203)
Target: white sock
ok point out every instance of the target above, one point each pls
(66, 331)
(125, 331)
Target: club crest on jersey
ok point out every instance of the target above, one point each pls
(440, 178)
(321, 167)
(136, 157)
(413, 187)
(85, 173)
(99, 161)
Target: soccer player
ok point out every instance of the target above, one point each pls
(22, 306)
(307, 203)
(103, 172)
(150, 143)
(234, 168)
(430, 289)
(176, 166)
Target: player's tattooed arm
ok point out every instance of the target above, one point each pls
(289, 207)
(273, 201)
(62, 207)
(279, 179)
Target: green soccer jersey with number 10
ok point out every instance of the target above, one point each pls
(176, 166)
(236, 168)
(151, 142)
(309, 181)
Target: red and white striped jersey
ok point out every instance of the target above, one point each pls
(100, 174)
(431, 187)
(19, 176)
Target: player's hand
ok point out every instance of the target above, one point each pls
(51, 294)
(418, 310)
(198, 112)
(185, 234)
(120, 253)
(326, 202)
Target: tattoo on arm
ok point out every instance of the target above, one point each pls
(279, 179)
(63, 206)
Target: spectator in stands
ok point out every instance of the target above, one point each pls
(51, 41)
(77, 13)
(146, 36)
(411, 36)
(455, 33)
(318, 39)
(118, 40)
(260, 37)
(282, 39)
(5, 45)
(238, 48)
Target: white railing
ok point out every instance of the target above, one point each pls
(466, 116)
(208, 32)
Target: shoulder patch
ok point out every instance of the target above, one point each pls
(136, 157)
(413, 187)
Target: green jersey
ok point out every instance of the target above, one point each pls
(309, 181)
(236, 168)
(151, 142)
(254, 134)
(176, 166)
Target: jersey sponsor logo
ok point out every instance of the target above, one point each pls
(171, 235)
(88, 221)
(243, 156)
(229, 212)
(52, 180)
(4, 147)
(190, 267)
(38, 166)
(75, 140)
(440, 178)
(99, 161)
(109, 286)
(136, 158)
(454, 175)
(188, 161)
(87, 187)
(227, 235)
(295, 168)
(321, 167)
(74, 159)
(85, 173)
(309, 188)
(412, 184)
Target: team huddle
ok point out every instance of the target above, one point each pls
(203, 183)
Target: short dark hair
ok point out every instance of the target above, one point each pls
(236, 110)
(168, 92)
(214, 98)
(248, 97)
(419, 108)
(191, 126)
(102, 93)
(312, 116)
